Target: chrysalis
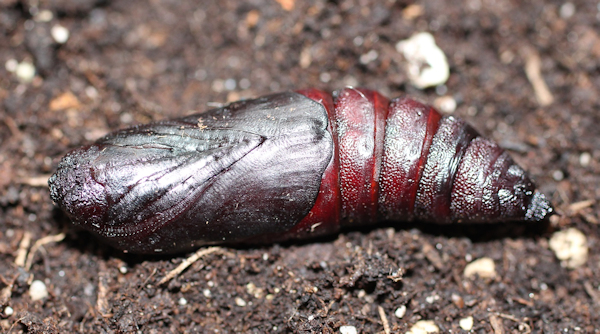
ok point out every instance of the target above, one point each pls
(289, 165)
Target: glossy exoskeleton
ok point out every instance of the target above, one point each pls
(289, 165)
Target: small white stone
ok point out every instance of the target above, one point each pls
(570, 247)
(432, 299)
(400, 312)
(427, 65)
(8, 311)
(91, 92)
(60, 34)
(368, 57)
(348, 330)
(474, 5)
(446, 104)
(584, 159)
(11, 65)
(240, 302)
(244, 83)
(484, 267)
(230, 84)
(558, 175)
(218, 85)
(123, 270)
(466, 323)
(206, 293)
(89, 289)
(25, 71)
(567, 10)
(350, 81)
(182, 301)
(38, 290)
(424, 327)
(325, 77)
(44, 16)
(358, 40)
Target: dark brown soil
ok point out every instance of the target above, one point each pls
(134, 61)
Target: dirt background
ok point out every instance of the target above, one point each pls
(128, 62)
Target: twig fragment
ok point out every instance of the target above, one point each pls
(35, 181)
(578, 206)
(188, 262)
(496, 324)
(384, 320)
(533, 70)
(592, 292)
(38, 244)
(102, 306)
(22, 251)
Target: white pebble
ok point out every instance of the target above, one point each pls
(570, 247)
(89, 289)
(218, 85)
(368, 57)
(350, 81)
(8, 311)
(484, 267)
(446, 104)
(11, 65)
(474, 5)
(44, 16)
(91, 92)
(244, 83)
(206, 293)
(230, 84)
(432, 299)
(427, 65)
(400, 312)
(182, 301)
(123, 270)
(358, 41)
(25, 71)
(60, 34)
(424, 327)
(466, 323)
(325, 77)
(38, 290)
(200, 74)
(348, 330)
(558, 175)
(240, 302)
(584, 159)
(567, 10)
